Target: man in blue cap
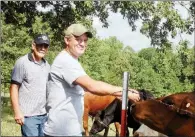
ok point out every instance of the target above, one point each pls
(28, 88)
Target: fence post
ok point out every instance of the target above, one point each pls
(124, 104)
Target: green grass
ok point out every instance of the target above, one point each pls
(8, 125)
(10, 128)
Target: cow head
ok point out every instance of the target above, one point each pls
(171, 115)
(145, 94)
(113, 114)
(104, 118)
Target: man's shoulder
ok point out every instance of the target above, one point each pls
(22, 59)
(63, 57)
(47, 64)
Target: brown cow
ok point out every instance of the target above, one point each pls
(146, 131)
(93, 104)
(173, 115)
(113, 114)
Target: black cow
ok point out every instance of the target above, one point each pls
(113, 114)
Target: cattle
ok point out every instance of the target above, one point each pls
(173, 115)
(113, 114)
(94, 103)
(146, 131)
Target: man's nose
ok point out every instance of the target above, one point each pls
(83, 43)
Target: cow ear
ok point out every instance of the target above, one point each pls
(187, 108)
(188, 105)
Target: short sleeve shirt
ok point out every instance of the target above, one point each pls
(32, 78)
(65, 101)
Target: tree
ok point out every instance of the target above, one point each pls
(186, 58)
(62, 15)
(15, 42)
(159, 18)
(147, 53)
(159, 69)
(102, 59)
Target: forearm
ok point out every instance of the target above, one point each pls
(18, 115)
(98, 87)
(14, 98)
(102, 88)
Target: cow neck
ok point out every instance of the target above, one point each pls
(178, 110)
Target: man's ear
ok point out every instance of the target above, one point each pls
(66, 40)
(33, 46)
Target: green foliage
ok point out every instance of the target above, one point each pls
(8, 124)
(186, 57)
(159, 18)
(147, 53)
(160, 69)
(99, 57)
(16, 42)
(168, 67)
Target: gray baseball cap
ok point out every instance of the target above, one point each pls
(42, 39)
(77, 30)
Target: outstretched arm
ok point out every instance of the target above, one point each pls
(103, 88)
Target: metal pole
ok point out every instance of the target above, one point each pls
(124, 104)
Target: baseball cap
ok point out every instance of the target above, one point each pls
(42, 39)
(77, 30)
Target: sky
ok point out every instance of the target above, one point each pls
(120, 28)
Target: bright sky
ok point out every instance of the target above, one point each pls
(120, 28)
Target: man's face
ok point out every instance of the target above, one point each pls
(39, 50)
(76, 45)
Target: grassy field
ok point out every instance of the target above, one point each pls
(10, 128)
(8, 125)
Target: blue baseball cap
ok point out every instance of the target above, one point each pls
(42, 39)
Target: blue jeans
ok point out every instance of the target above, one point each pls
(33, 126)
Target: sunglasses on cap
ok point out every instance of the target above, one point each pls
(42, 45)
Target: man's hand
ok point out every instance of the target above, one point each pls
(19, 118)
(133, 95)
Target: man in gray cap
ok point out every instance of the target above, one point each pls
(66, 84)
(28, 88)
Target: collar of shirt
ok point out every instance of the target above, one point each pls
(30, 57)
